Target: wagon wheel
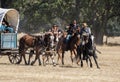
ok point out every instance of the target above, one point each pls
(14, 58)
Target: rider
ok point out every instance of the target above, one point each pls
(75, 25)
(54, 32)
(85, 29)
(5, 27)
(71, 28)
(9, 29)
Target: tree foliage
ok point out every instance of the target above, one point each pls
(103, 16)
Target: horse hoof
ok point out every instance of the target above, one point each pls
(91, 65)
(98, 67)
(32, 63)
(26, 64)
(77, 63)
(54, 64)
(57, 63)
(44, 64)
(81, 65)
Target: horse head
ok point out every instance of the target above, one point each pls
(39, 41)
(85, 38)
(49, 40)
(76, 39)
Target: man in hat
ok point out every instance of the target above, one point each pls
(85, 29)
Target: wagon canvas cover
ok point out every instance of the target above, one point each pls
(11, 16)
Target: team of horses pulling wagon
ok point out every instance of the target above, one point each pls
(42, 44)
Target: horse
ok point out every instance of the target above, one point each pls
(50, 48)
(71, 45)
(30, 41)
(87, 49)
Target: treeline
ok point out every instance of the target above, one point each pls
(103, 16)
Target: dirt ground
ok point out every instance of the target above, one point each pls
(109, 62)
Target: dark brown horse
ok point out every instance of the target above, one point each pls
(87, 49)
(72, 45)
(29, 41)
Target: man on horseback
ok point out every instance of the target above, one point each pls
(87, 47)
(71, 29)
(86, 32)
(85, 29)
(54, 31)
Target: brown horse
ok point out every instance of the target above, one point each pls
(29, 41)
(49, 48)
(72, 44)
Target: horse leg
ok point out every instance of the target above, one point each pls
(87, 61)
(79, 54)
(29, 59)
(47, 60)
(30, 55)
(63, 58)
(53, 61)
(43, 58)
(71, 56)
(75, 53)
(94, 56)
(32, 63)
(90, 61)
(81, 60)
(81, 63)
(59, 57)
(86, 57)
(39, 60)
(36, 57)
(25, 59)
(76, 56)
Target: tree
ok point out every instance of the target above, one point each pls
(97, 13)
(41, 14)
(5, 3)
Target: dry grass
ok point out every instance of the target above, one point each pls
(109, 62)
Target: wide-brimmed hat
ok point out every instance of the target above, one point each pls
(85, 24)
(54, 25)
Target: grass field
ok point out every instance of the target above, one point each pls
(109, 71)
